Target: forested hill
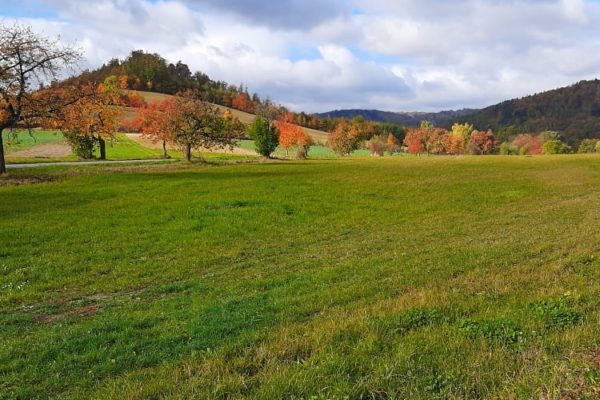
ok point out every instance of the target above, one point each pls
(411, 119)
(574, 111)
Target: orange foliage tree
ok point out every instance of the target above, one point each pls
(291, 135)
(91, 119)
(195, 123)
(344, 139)
(392, 144)
(153, 122)
(415, 140)
(242, 102)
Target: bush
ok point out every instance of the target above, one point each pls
(265, 136)
(588, 146)
(376, 146)
(508, 149)
(83, 146)
(556, 147)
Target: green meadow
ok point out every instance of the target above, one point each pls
(361, 278)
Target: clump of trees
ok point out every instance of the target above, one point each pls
(350, 135)
(547, 142)
(461, 139)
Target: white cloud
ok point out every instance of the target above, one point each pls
(401, 55)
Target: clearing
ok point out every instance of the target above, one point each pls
(389, 278)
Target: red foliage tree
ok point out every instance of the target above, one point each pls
(242, 102)
(528, 144)
(482, 143)
(153, 122)
(414, 141)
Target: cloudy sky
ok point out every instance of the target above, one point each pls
(318, 55)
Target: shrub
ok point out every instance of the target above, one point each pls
(265, 136)
(588, 146)
(556, 147)
(508, 149)
(377, 146)
(83, 146)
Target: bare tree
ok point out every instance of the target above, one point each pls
(28, 61)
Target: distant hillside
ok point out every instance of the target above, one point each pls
(411, 119)
(573, 110)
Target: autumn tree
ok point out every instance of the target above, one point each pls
(153, 122)
(195, 123)
(482, 142)
(304, 141)
(437, 140)
(233, 126)
(459, 140)
(392, 144)
(91, 119)
(242, 102)
(415, 140)
(377, 146)
(528, 144)
(27, 61)
(289, 134)
(344, 139)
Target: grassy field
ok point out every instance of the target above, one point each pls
(393, 278)
(315, 151)
(122, 148)
(22, 140)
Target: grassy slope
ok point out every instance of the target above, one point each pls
(24, 140)
(470, 277)
(319, 137)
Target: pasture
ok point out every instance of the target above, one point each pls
(361, 278)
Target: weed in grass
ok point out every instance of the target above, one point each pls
(557, 313)
(503, 332)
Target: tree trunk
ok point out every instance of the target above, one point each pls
(102, 144)
(188, 152)
(165, 155)
(286, 152)
(2, 161)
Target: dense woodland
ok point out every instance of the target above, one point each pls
(574, 111)
(408, 119)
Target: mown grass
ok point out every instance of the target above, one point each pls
(123, 148)
(316, 151)
(392, 278)
(21, 140)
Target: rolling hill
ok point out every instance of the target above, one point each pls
(573, 110)
(410, 119)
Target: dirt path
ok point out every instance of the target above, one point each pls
(47, 150)
(136, 137)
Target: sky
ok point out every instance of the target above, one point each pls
(321, 55)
